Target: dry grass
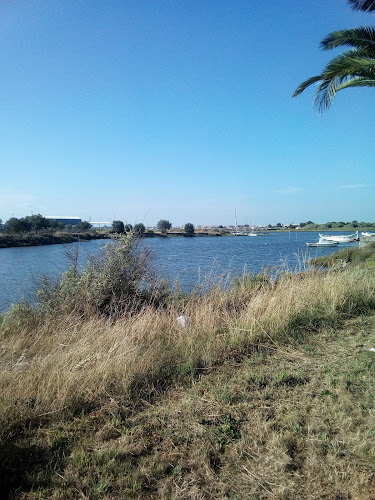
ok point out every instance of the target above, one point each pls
(69, 363)
(246, 401)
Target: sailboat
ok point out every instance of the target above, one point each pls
(241, 233)
(236, 231)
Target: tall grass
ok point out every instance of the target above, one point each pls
(111, 333)
(353, 255)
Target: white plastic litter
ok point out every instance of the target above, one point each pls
(183, 321)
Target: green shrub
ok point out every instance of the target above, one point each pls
(19, 317)
(119, 280)
(353, 255)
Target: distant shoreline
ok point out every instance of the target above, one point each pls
(30, 240)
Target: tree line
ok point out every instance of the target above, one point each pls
(163, 226)
(36, 223)
(310, 225)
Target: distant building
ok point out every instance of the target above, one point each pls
(65, 220)
(101, 223)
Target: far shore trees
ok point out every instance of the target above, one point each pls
(37, 222)
(139, 228)
(83, 226)
(189, 229)
(128, 228)
(55, 226)
(17, 226)
(118, 226)
(163, 226)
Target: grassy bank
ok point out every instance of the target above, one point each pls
(265, 393)
(350, 255)
(28, 240)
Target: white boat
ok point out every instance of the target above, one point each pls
(238, 232)
(368, 235)
(323, 243)
(340, 238)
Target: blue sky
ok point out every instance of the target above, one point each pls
(179, 110)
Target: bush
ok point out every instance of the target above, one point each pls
(118, 226)
(163, 226)
(120, 280)
(189, 228)
(139, 229)
(83, 226)
(20, 317)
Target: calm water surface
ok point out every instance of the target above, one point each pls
(193, 261)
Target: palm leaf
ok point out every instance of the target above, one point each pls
(327, 90)
(306, 84)
(357, 81)
(346, 70)
(352, 62)
(364, 5)
(361, 38)
(354, 68)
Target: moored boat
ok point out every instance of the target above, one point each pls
(340, 238)
(323, 243)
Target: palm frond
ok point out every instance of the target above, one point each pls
(306, 84)
(326, 92)
(357, 81)
(361, 37)
(351, 62)
(364, 5)
(346, 70)
(353, 68)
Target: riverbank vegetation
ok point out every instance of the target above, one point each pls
(27, 240)
(350, 255)
(261, 390)
(326, 226)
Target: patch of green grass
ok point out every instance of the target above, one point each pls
(353, 255)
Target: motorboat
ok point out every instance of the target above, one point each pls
(323, 243)
(340, 238)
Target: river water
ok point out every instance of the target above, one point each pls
(193, 262)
